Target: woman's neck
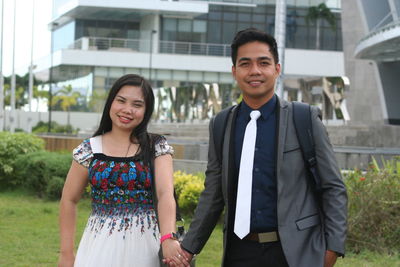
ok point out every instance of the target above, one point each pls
(119, 136)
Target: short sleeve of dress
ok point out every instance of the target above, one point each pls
(162, 147)
(83, 153)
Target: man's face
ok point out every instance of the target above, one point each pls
(256, 71)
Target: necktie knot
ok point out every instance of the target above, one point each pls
(255, 114)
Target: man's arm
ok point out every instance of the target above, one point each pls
(334, 196)
(211, 203)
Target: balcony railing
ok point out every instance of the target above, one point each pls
(187, 48)
(116, 44)
(143, 45)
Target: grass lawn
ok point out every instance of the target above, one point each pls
(29, 236)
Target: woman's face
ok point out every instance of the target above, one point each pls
(128, 108)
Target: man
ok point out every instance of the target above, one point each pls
(284, 224)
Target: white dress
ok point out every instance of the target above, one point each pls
(122, 230)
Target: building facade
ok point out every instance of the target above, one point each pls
(372, 52)
(183, 48)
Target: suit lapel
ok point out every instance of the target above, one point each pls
(228, 162)
(282, 126)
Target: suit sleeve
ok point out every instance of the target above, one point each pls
(334, 196)
(210, 204)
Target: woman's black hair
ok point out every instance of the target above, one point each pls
(139, 133)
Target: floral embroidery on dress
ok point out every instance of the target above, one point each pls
(120, 190)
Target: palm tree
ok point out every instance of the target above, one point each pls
(66, 97)
(318, 13)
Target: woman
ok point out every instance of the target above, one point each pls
(123, 228)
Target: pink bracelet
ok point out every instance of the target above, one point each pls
(167, 236)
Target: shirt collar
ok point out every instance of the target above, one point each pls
(266, 109)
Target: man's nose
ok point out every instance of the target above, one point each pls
(254, 69)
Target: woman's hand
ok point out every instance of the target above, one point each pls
(66, 260)
(173, 254)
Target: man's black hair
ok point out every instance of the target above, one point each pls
(253, 35)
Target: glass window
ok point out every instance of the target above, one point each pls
(118, 29)
(259, 18)
(132, 30)
(78, 29)
(243, 26)
(184, 25)
(300, 38)
(89, 28)
(328, 39)
(199, 26)
(164, 74)
(244, 17)
(116, 72)
(228, 32)
(195, 76)
(214, 15)
(184, 30)
(199, 31)
(169, 29)
(225, 78)
(103, 29)
(210, 77)
(179, 75)
(214, 32)
(230, 16)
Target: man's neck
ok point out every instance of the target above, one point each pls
(257, 102)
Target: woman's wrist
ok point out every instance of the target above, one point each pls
(171, 236)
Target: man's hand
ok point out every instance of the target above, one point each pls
(330, 258)
(188, 255)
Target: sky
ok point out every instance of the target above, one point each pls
(23, 33)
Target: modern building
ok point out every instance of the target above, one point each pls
(371, 37)
(183, 48)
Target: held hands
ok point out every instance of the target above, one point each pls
(174, 255)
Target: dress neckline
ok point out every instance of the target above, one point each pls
(96, 144)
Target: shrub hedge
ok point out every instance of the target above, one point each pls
(188, 188)
(42, 172)
(11, 146)
(374, 208)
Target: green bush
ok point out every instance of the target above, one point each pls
(374, 208)
(43, 127)
(54, 188)
(11, 146)
(36, 170)
(188, 188)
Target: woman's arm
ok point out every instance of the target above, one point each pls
(163, 171)
(73, 188)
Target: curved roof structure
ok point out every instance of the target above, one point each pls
(382, 44)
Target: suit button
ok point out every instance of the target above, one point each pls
(256, 169)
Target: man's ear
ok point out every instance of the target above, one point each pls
(278, 68)
(234, 72)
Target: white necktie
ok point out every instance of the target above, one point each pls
(243, 201)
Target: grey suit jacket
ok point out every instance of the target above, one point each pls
(305, 230)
